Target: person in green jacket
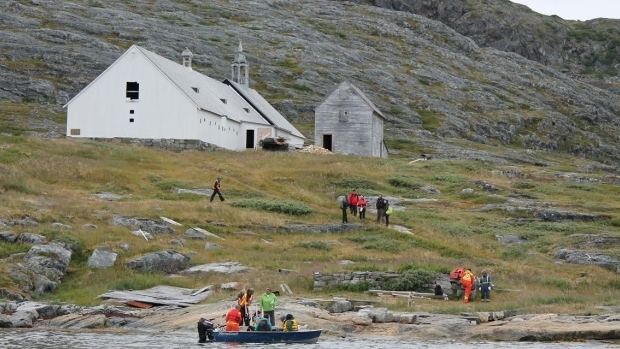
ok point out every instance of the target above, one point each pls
(268, 303)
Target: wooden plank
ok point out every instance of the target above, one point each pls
(140, 305)
(201, 290)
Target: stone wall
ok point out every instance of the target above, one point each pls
(346, 278)
(167, 144)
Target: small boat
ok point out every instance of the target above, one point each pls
(309, 337)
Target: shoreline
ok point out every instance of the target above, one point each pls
(364, 323)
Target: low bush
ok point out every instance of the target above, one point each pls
(404, 182)
(359, 287)
(317, 245)
(287, 207)
(412, 280)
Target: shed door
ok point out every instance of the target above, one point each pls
(327, 142)
(249, 139)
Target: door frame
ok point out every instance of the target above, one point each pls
(331, 141)
(249, 132)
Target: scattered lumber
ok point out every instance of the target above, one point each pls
(161, 295)
(170, 221)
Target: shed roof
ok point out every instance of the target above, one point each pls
(346, 85)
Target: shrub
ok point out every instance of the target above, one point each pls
(317, 245)
(359, 287)
(404, 182)
(412, 280)
(287, 207)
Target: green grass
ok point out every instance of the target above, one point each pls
(9, 248)
(404, 182)
(317, 245)
(279, 206)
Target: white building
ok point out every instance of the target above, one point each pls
(145, 96)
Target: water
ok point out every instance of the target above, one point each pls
(77, 340)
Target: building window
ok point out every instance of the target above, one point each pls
(343, 116)
(131, 120)
(133, 90)
(75, 131)
(247, 110)
(131, 111)
(223, 100)
(196, 89)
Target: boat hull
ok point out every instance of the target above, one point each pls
(268, 337)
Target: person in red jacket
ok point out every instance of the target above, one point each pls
(233, 318)
(352, 200)
(361, 206)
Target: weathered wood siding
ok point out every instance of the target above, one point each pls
(355, 128)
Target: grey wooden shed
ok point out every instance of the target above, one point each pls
(347, 122)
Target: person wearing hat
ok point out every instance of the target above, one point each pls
(217, 189)
(268, 303)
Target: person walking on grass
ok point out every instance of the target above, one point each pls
(217, 189)
(268, 303)
(352, 201)
(381, 207)
(361, 206)
(343, 204)
(388, 212)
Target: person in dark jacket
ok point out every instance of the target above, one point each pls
(381, 207)
(485, 286)
(217, 189)
(343, 204)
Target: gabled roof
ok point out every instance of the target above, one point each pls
(264, 108)
(347, 85)
(210, 91)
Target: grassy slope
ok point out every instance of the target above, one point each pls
(53, 180)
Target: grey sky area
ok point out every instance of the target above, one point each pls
(575, 9)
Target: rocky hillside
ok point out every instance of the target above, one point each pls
(590, 47)
(436, 85)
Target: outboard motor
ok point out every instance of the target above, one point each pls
(205, 330)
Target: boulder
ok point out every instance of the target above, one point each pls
(142, 234)
(24, 318)
(60, 226)
(378, 315)
(24, 222)
(430, 190)
(43, 267)
(199, 233)
(486, 186)
(177, 242)
(102, 258)
(8, 236)
(148, 225)
(5, 321)
(341, 306)
(44, 311)
(123, 246)
(345, 262)
(209, 246)
(510, 239)
(231, 286)
(587, 257)
(77, 321)
(164, 261)
(407, 318)
(6, 293)
(224, 267)
(30, 238)
(467, 191)
(107, 196)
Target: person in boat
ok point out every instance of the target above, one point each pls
(290, 324)
(263, 324)
(268, 303)
(244, 305)
(233, 318)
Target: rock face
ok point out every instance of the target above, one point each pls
(484, 95)
(42, 269)
(102, 258)
(30, 238)
(8, 236)
(148, 225)
(588, 257)
(163, 261)
(224, 267)
(317, 228)
(541, 210)
(515, 28)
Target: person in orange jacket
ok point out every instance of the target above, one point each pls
(467, 281)
(233, 318)
(244, 302)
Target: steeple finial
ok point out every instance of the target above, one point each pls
(240, 46)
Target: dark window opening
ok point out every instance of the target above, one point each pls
(249, 139)
(131, 111)
(223, 100)
(247, 110)
(75, 131)
(133, 90)
(327, 142)
(195, 89)
(131, 120)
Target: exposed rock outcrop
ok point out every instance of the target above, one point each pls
(102, 258)
(163, 261)
(42, 268)
(154, 227)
